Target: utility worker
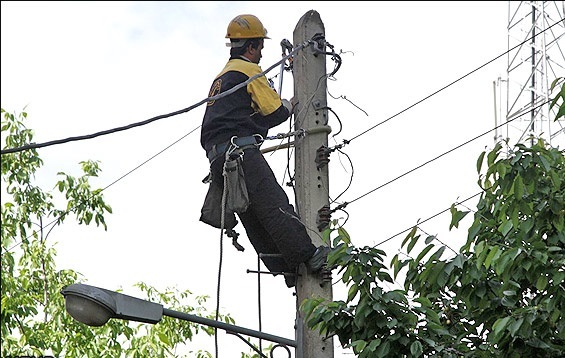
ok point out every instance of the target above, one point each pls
(243, 118)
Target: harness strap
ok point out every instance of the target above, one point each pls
(241, 143)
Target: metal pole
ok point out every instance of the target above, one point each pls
(228, 327)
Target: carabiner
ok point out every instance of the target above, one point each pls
(232, 141)
(259, 138)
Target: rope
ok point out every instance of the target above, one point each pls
(223, 223)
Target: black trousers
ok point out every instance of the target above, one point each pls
(270, 221)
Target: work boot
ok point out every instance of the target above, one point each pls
(318, 260)
(290, 280)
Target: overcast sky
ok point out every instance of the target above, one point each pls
(84, 67)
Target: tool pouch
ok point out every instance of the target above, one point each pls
(237, 199)
(211, 212)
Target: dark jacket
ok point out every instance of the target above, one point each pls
(252, 109)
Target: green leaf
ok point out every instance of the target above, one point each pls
(505, 227)
(545, 162)
(505, 258)
(398, 265)
(424, 252)
(326, 234)
(429, 239)
(344, 235)
(436, 271)
(412, 243)
(409, 236)
(424, 301)
(458, 261)
(515, 326)
(518, 187)
(536, 342)
(480, 162)
(164, 338)
(358, 345)
(542, 282)
(554, 84)
(500, 324)
(559, 222)
(383, 349)
(437, 255)
(493, 154)
(374, 344)
(456, 216)
(432, 316)
(416, 349)
(492, 255)
(474, 230)
(352, 292)
(558, 276)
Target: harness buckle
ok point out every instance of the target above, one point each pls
(259, 138)
(232, 141)
(235, 145)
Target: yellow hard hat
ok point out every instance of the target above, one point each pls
(246, 27)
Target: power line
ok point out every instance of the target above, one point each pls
(188, 109)
(34, 146)
(54, 221)
(150, 120)
(343, 205)
(428, 219)
(452, 83)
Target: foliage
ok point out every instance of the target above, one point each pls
(502, 294)
(33, 317)
(559, 97)
(379, 323)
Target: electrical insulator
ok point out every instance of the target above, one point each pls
(324, 216)
(322, 157)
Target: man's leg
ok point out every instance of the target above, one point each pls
(257, 235)
(262, 243)
(270, 206)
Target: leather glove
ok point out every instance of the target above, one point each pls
(286, 103)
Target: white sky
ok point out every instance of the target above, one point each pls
(84, 67)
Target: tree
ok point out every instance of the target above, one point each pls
(502, 294)
(33, 317)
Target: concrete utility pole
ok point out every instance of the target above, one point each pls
(312, 185)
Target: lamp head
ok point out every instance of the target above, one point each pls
(89, 305)
(94, 306)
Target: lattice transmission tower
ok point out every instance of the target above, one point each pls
(536, 57)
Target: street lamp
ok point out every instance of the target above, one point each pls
(94, 306)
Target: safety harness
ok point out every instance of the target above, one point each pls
(234, 145)
(220, 205)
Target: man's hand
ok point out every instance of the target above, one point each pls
(288, 105)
